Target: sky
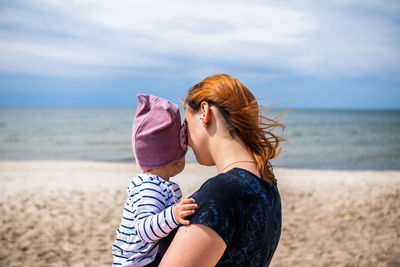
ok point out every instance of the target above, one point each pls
(331, 54)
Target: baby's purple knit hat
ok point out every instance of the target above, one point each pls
(158, 138)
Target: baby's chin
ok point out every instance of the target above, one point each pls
(178, 167)
(178, 171)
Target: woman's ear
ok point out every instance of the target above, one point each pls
(205, 110)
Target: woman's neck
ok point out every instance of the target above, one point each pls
(229, 153)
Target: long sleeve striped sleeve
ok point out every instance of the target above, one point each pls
(153, 222)
(154, 227)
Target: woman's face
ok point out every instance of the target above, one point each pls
(198, 137)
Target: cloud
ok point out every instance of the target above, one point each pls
(121, 37)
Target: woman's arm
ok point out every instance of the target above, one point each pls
(194, 245)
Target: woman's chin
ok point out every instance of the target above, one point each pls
(204, 162)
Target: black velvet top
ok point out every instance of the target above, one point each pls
(245, 211)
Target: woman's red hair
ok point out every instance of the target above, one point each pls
(243, 117)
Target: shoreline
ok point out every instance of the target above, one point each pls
(55, 211)
(131, 161)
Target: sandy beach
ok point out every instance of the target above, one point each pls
(65, 213)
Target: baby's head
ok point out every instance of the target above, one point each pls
(159, 140)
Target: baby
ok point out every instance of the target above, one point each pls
(153, 209)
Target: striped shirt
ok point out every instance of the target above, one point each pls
(147, 217)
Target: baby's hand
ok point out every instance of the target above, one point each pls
(184, 208)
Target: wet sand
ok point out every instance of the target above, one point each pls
(65, 213)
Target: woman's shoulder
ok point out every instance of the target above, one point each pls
(222, 184)
(220, 181)
(237, 182)
(237, 177)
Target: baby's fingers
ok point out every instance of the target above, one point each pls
(188, 207)
(184, 222)
(184, 213)
(187, 201)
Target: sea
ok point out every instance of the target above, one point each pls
(317, 139)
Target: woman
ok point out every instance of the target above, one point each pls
(238, 220)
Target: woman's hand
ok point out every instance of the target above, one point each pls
(183, 209)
